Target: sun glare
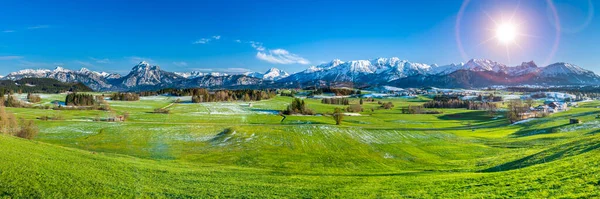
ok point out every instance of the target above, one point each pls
(506, 33)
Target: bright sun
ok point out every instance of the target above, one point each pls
(506, 33)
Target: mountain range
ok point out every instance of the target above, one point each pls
(476, 73)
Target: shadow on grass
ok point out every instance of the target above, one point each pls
(537, 131)
(552, 154)
(466, 126)
(475, 116)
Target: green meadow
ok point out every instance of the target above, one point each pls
(245, 150)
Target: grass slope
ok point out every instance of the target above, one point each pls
(234, 150)
(32, 169)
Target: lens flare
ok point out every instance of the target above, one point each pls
(506, 33)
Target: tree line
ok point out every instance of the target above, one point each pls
(458, 103)
(125, 97)
(336, 91)
(203, 95)
(338, 101)
(41, 85)
(412, 109)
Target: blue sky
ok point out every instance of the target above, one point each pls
(246, 35)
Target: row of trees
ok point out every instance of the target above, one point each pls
(80, 99)
(338, 101)
(457, 103)
(418, 110)
(489, 98)
(336, 91)
(125, 97)
(203, 95)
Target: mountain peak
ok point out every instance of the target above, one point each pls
(61, 69)
(143, 65)
(84, 70)
(530, 64)
(273, 70)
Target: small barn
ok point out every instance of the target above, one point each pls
(574, 121)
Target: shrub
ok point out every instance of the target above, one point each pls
(33, 98)
(8, 122)
(354, 108)
(388, 105)
(28, 129)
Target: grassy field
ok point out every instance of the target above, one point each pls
(237, 150)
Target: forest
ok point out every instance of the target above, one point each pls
(40, 85)
(80, 99)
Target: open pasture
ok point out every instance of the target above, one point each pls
(381, 153)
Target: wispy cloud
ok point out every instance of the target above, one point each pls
(202, 41)
(136, 59)
(11, 57)
(257, 45)
(38, 27)
(207, 40)
(221, 70)
(181, 63)
(275, 56)
(84, 63)
(281, 56)
(237, 70)
(202, 69)
(238, 41)
(8, 31)
(100, 61)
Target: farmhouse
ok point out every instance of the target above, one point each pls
(556, 106)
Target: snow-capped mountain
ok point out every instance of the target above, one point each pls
(196, 74)
(375, 72)
(95, 80)
(144, 74)
(387, 68)
(271, 74)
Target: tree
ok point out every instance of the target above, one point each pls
(361, 101)
(338, 116)
(529, 102)
(491, 110)
(298, 107)
(515, 109)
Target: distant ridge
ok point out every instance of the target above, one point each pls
(381, 71)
